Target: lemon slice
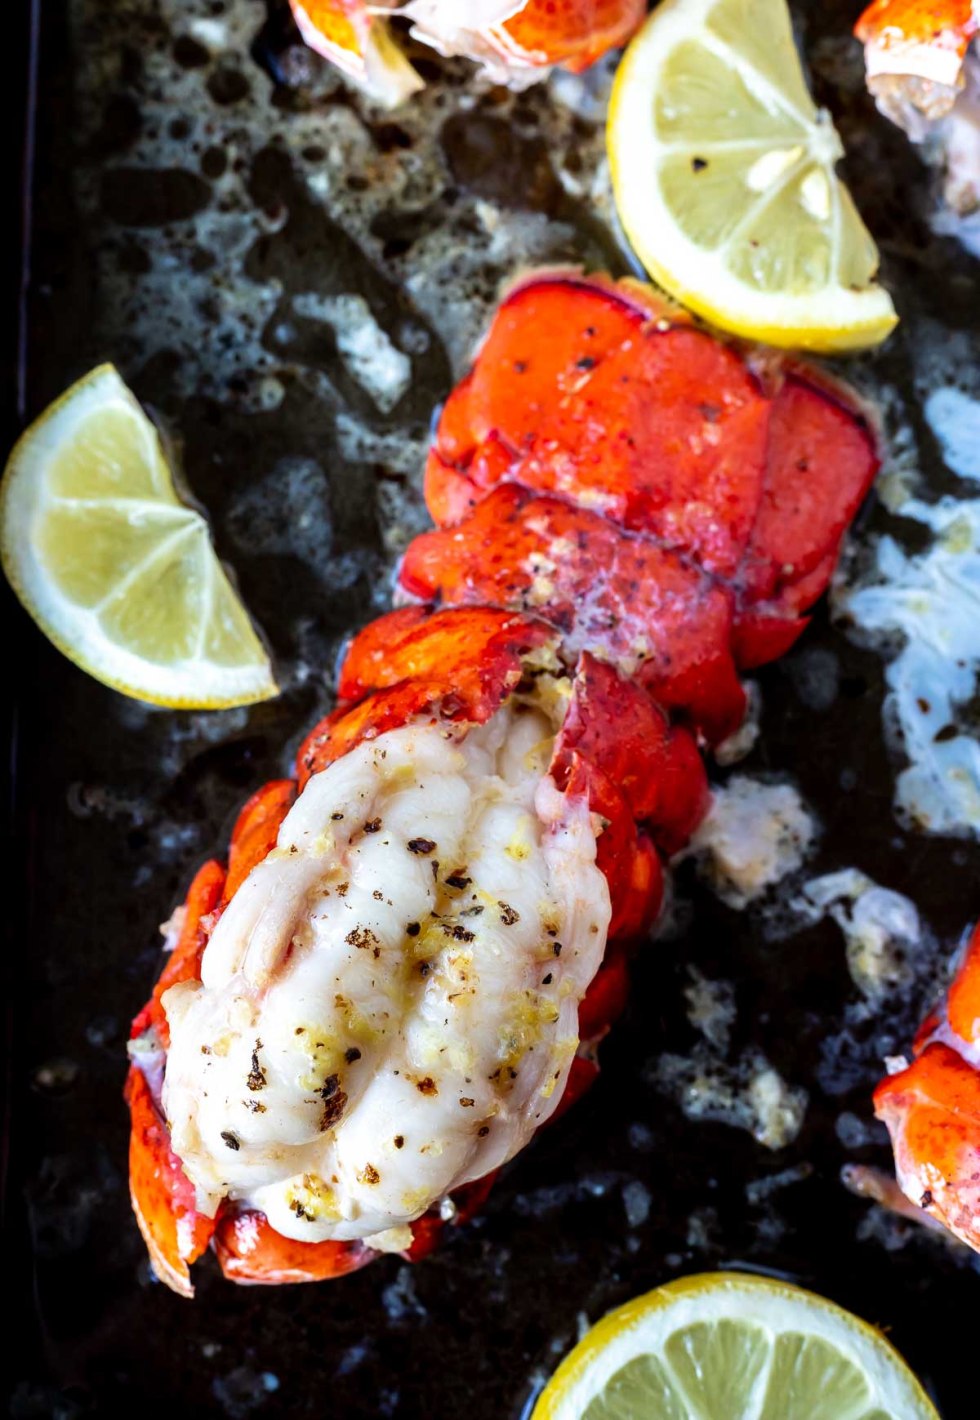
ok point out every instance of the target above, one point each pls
(729, 1346)
(113, 567)
(723, 174)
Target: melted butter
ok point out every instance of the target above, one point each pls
(929, 604)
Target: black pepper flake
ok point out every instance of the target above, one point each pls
(352, 1054)
(587, 362)
(421, 845)
(336, 817)
(334, 1102)
(926, 1200)
(483, 1131)
(458, 932)
(256, 1076)
(556, 948)
(369, 1174)
(458, 880)
(467, 1103)
(547, 980)
(508, 915)
(373, 825)
(231, 1140)
(255, 1106)
(342, 889)
(399, 1141)
(413, 929)
(426, 1086)
(698, 165)
(471, 912)
(424, 968)
(364, 939)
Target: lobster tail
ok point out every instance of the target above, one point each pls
(627, 514)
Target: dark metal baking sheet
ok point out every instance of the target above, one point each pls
(114, 805)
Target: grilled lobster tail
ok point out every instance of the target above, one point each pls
(627, 511)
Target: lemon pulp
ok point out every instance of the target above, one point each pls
(114, 568)
(730, 1346)
(724, 175)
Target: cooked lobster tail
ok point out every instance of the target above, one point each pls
(627, 509)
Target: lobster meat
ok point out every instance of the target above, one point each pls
(932, 1107)
(421, 937)
(515, 41)
(923, 70)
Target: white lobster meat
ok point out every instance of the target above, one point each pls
(388, 1006)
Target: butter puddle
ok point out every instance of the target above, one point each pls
(931, 601)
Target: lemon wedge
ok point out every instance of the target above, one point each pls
(723, 171)
(729, 1346)
(113, 567)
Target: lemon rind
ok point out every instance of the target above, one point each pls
(69, 627)
(626, 1333)
(849, 320)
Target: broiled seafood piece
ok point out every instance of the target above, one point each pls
(932, 1107)
(388, 1006)
(923, 70)
(515, 41)
(421, 940)
(600, 393)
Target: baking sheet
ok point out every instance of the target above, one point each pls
(210, 208)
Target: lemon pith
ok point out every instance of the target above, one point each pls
(723, 174)
(116, 571)
(722, 1346)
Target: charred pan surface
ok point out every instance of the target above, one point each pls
(312, 494)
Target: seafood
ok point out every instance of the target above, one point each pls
(515, 41)
(923, 70)
(420, 939)
(932, 1107)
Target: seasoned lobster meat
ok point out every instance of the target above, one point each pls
(514, 41)
(354, 1052)
(421, 938)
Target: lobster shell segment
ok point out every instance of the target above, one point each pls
(452, 665)
(162, 1196)
(623, 597)
(595, 393)
(250, 1251)
(657, 767)
(932, 1108)
(658, 425)
(932, 1111)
